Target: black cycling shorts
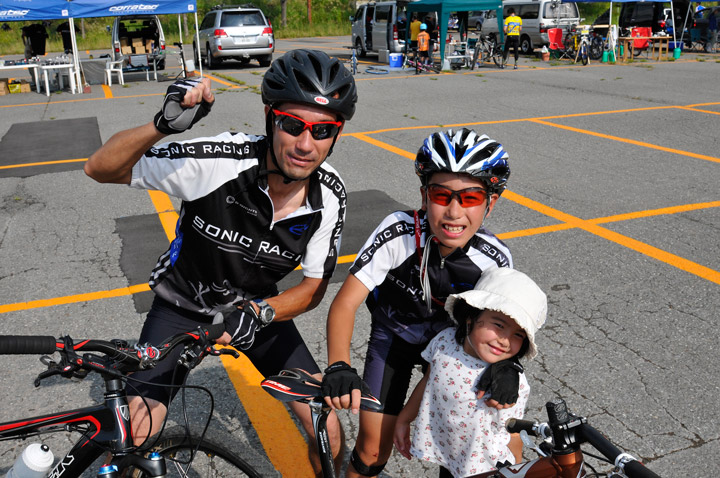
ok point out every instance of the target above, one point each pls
(277, 346)
(388, 367)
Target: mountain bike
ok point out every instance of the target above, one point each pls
(296, 385)
(560, 453)
(105, 428)
(486, 49)
(583, 47)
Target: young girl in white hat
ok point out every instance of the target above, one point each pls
(496, 321)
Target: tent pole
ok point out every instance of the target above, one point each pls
(672, 15)
(682, 32)
(197, 42)
(76, 60)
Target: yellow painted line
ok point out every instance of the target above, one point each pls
(46, 163)
(71, 299)
(633, 244)
(281, 439)
(589, 226)
(276, 430)
(108, 92)
(629, 141)
(699, 110)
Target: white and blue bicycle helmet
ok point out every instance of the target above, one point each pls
(464, 151)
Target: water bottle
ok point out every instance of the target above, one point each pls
(35, 462)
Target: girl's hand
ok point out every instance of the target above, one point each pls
(401, 438)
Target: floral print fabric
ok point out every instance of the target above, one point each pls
(453, 428)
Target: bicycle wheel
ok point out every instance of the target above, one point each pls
(211, 459)
(498, 57)
(596, 48)
(584, 54)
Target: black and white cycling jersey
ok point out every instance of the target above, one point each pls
(227, 247)
(389, 266)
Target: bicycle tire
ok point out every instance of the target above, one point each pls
(584, 54)
(498, 57)
(211, 459)
(377, 70)
(596, 48)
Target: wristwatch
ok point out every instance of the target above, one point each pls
(266, 314)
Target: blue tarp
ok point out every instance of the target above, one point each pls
(31, 10)
(113, 8)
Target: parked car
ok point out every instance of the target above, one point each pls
(476, 19)
(651, 14)
(235, 33)
(138, 35)
(379, 26)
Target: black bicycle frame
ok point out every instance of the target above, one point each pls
(319, 413)
(108, 429)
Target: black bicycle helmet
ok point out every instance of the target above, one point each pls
(310, 77)
(464, 151)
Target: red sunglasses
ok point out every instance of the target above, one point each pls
(443, 196)
(295, 126)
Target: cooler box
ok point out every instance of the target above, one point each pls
(675, 44)
(396, 60)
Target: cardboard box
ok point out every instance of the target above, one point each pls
(126, 50)
(139, 50)
(124, 42)
(4, 87)
(24, 86)
(136, 42)
(148, 45)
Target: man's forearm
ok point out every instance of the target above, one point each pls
(113, 162)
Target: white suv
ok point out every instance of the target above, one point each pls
(237, 33)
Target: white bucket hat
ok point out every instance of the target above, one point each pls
(511, 292)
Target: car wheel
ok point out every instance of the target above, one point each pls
(161, 65)
(526, 45)
(265, 60)
(359, 48)
(209, 60)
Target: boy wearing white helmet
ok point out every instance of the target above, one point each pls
(455, 428)
(408, 267)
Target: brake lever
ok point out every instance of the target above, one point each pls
(66, 370)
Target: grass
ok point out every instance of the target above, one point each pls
(97, 34)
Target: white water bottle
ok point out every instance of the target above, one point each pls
(35, 462)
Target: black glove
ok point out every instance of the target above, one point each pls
(501, 381)
(241, 325)
(173, 118)
(340, 379)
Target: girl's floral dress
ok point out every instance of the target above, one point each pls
(453, 428)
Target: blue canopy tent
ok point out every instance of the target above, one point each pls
(29, 10)
(445, 7)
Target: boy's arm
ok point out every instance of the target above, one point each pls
(340, 324)
(408, 414)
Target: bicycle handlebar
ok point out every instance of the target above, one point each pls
(122, 357)
(586, 433)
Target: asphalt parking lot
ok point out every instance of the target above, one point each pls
(613, 207)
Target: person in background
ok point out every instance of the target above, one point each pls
(512, 28)
(414, 32)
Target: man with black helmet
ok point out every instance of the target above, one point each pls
(254, 208)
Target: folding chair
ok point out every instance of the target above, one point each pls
(695, 39)
(556, 46)
(642, 45)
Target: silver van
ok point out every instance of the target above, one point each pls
(379, 26)
(537, 17)
(138, 35)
